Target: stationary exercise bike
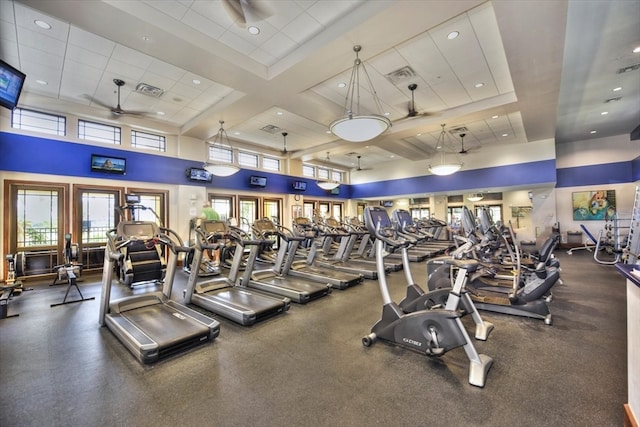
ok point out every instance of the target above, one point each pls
(453, 297)
(431, 332)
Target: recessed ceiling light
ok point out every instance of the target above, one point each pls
(42, 24)
(616, 89)
(452, 35)
(636, 50)
(494, 117)
(146, 38)
(418, 134)
(478, 85)
(160, 113)
(387, 113)
(593, 131)
(253, 30)
(604, 113)
(341, 85)
(505, 134)
(236, 133)
(195, 81)
(41, 82)
(280, 113)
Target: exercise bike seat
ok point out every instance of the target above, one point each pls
(470, 265)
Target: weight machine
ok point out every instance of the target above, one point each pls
(69, 272)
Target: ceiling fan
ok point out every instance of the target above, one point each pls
(465, 150)
(412, 105)
(117, 110)
(246, 11)
(358, 157)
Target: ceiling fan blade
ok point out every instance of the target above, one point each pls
(243, 12)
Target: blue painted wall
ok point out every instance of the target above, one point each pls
(20, 153)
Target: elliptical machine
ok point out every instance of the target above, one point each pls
(430, 332)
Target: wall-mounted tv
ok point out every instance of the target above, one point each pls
(108, 164)
(386, 203)
(197, 174)
(300, 185)
(11, 82)
(258, 181)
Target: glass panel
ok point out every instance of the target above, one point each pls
(37, 215)
(337, 211)
(308, 170)
(454, 215)
(420, 213)
(38, 122)
(323, 209)
(307, 209)
(248, 159)
(271, 209)
(323, 173)
(222, 206)
(98, 215)
(154, 202)
(336, 176)
(148, 141)
(220, 154)
(99, 132)
(248, 213)
(270, 163)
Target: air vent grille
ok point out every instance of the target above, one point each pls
(628, 68)
(456, 131)
(270, 129)
(147, 89)
(400, 75)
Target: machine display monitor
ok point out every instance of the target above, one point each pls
(379, 217)
(132, 199)
(404, 217)
(140, 230)
(11, 82)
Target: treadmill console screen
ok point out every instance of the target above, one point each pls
(142, 230)
(404, 217)
(379, 217)
(214, 227)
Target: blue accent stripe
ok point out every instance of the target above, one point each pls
(610, 173)
(534, 173)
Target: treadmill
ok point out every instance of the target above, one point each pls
(151, 325)
(340, 261)
(299, 289)
(306, 266)
(228, 296)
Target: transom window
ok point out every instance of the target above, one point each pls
(38, 122)
(308, 170)
(248, 159)
(321, 172)
(148, 141)
(271, 163)
(220, 154)
(99, 132)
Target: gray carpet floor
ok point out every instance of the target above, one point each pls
(309, 368)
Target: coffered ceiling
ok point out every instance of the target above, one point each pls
(518, 71)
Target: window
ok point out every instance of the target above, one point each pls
(271, 210)
(336, 176)
(98, 132)
(308, 170)
(220, 154)
(420, 213)
(271, 163)
(148, 141)
(248, 159)
(38, 122)
(98, 215)
(37, 215)
(323, 173)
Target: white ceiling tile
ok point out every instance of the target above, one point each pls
(164, 69)
(90, 41)
(204, 25)
(302, 28)
(327, 11)
(40, 41)
(6, 11)
(174, 9)
(84, 56)
(124, 70)
(283, 14)
(279, 45)
(26, 16)
(131, 57)
(37, 56)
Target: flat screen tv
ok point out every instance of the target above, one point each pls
(108, 164)
(197, 174)
(11, 82)
(258, 181)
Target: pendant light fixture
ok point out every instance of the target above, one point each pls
(356, 126)
(220, 141)
(475, 197)
(330, 184)
(444, 162)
